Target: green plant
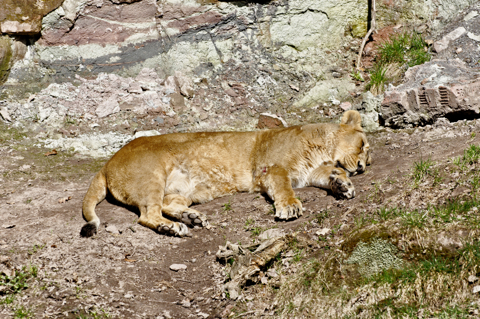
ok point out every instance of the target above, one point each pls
(471, 155)
(298, 255)
(256, 231)
(423, 169)
(378, 79)
(9, 298)
(227, 206)
(249, 222)
(36, 248)
(272, 210)
(395, 56)
(19, 281)
(22, 312)
(357, 76)
(70, 120)
(321, 216)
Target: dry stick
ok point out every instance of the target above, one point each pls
(372, 28)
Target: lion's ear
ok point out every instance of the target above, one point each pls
(353, 118)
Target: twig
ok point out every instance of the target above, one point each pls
(372, 28)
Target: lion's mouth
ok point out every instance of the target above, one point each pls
(349, 173)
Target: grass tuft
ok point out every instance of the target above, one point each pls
(394, 57)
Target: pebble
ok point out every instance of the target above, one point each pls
(471, 279)
(323, 232)
(177, 267)
(476, 289)
(112, 229)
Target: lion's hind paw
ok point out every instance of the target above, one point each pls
(176, 229)
(194, 218)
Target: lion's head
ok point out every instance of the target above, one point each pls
(352, 152)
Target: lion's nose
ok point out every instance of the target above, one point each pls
(360, 167)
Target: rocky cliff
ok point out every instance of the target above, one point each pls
(246, 57)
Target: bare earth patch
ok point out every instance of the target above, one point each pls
(125, 270)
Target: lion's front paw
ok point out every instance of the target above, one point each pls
(176, 229)
(341, 185)
(288, 209)
(194, 218)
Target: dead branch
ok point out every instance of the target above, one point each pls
(372, 29)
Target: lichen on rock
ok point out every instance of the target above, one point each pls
(374, 257)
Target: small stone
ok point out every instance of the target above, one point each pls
(271, 273)
(293, 87)
(471, 279)
(323, 232)
(473, 36)
(177, 267)
(476, 289)
(271, 233)
(443, 43)
(458, 50)
(146, 133)
(4, 114)
(112, 229)
(470, 15)
(264, 280)
(267, 120)
(128, 295)
(186, 304)
(346, 106)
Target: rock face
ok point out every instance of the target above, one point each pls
(435, 89)
(273, 41)
(209, 59)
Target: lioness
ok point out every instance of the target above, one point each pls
(165, 174)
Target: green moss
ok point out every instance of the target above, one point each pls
(359, 29)
(374, 257)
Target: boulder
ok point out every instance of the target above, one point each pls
(439, 88)
(267, 120)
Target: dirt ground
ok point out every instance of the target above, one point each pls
(125, 272)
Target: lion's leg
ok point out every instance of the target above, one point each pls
(151, 215)
(332, 178)
(278, 186)
(176, 206)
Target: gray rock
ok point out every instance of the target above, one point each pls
(5, 114)
(108, 107)
(112, 229)
(271, 233)
(443, 43)
(435, 89)
(177, 267)
(369, 111)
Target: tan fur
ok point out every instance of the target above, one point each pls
(163, 175)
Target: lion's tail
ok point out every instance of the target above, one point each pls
(95, 194)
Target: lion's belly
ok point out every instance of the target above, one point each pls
(204, 185)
